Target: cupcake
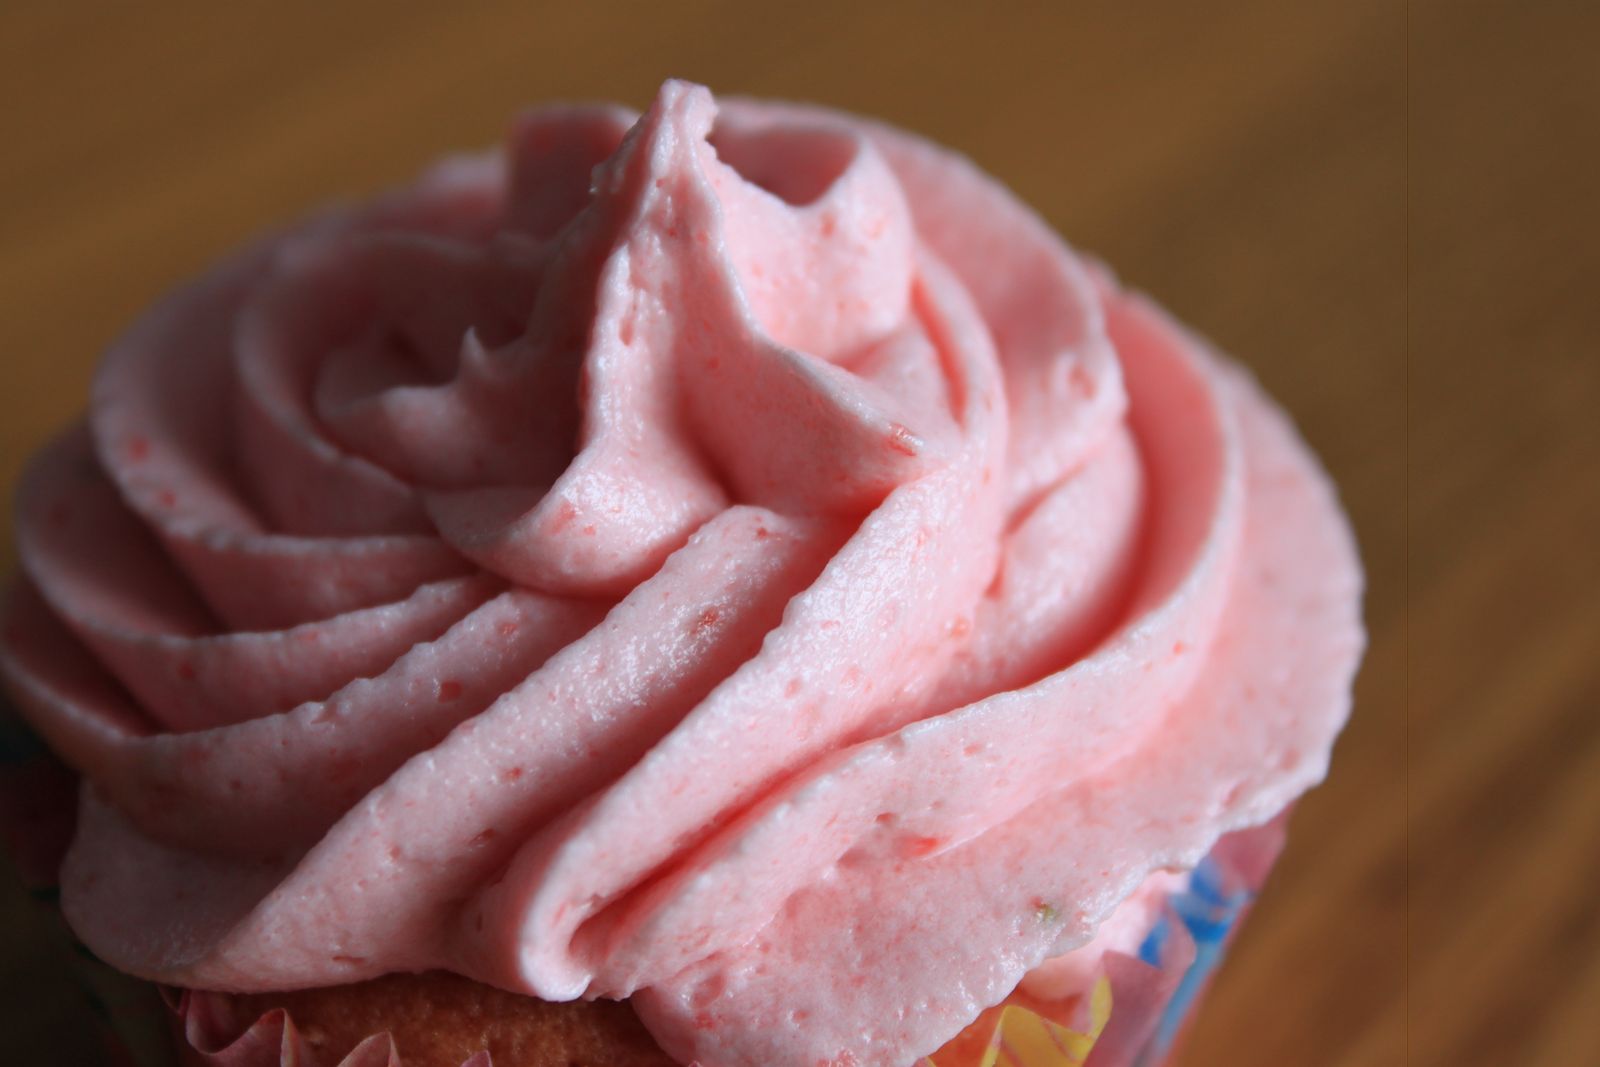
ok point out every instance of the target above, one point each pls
(725, 585)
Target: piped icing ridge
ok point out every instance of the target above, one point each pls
(733, 558)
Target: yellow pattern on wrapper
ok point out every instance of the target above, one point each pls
(1023, 1038)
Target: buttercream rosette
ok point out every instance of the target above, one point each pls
(736, 559)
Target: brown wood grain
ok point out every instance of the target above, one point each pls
(1429, 322)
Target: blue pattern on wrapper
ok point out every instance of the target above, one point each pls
(1209, 909)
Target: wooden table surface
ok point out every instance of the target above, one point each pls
(1419, 296)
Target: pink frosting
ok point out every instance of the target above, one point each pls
(738, 560)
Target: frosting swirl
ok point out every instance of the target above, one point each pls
(741, 561)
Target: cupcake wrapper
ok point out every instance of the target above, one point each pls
(1133, 1016)
(1158, 991)
(38, 802)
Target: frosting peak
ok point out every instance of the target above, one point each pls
(735, 558)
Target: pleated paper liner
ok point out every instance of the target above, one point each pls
(1132, 1015)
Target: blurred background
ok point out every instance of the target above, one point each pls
(1352, 198)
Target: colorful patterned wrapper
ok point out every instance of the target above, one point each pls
(1132, 1016)
(1139, 1005)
